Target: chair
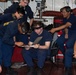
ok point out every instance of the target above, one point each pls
(54, 47)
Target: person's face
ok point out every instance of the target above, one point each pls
(38, 30)
(65, 13)
(24, 3)
(19, 15)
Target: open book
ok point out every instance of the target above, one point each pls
(35, 42)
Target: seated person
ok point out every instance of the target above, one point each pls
(68, 27)
(68, 36)
(38, 50)
(69, 54)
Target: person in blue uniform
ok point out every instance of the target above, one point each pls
(68, 36)
(38, 51)
(70, 54)
(28, 11)
(7, 18)
(7, 42)
(12, 16)
(28, 14)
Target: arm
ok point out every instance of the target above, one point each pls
(46, 46)
(75, 50)
(10, 40)
(30, 14)
(11, 9)
(61, 27)
(3, 18)
(10, 32)
(7, 10)
(20, 44)
(66, 33)
(31, 21)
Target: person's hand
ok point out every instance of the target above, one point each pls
(74, 54)
(66, 36)
(27, 47)
(36, 46)
(52, 30)
(19, 43)
(0, 68)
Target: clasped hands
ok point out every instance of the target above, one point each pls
(27, 47)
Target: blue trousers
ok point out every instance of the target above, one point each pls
(69, 42)
(68, 53)
(68, 57)
(5, 53)
(40, 55)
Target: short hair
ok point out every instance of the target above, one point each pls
(21, 10)
(25, 26)
(67, 8)
(28, 1)
(37, 23)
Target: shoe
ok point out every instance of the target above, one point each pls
(68, 71)
(31, 71)
(10, 71)
(18, 65)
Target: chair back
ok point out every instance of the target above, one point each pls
(54, 47)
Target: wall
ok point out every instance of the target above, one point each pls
(4, 5)
(53, 5)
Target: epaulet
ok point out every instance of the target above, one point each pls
(6, 23)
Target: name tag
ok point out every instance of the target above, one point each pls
(25, 12)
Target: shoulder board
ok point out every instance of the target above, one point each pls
(6, 23)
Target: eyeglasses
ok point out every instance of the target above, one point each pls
(37, 27)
